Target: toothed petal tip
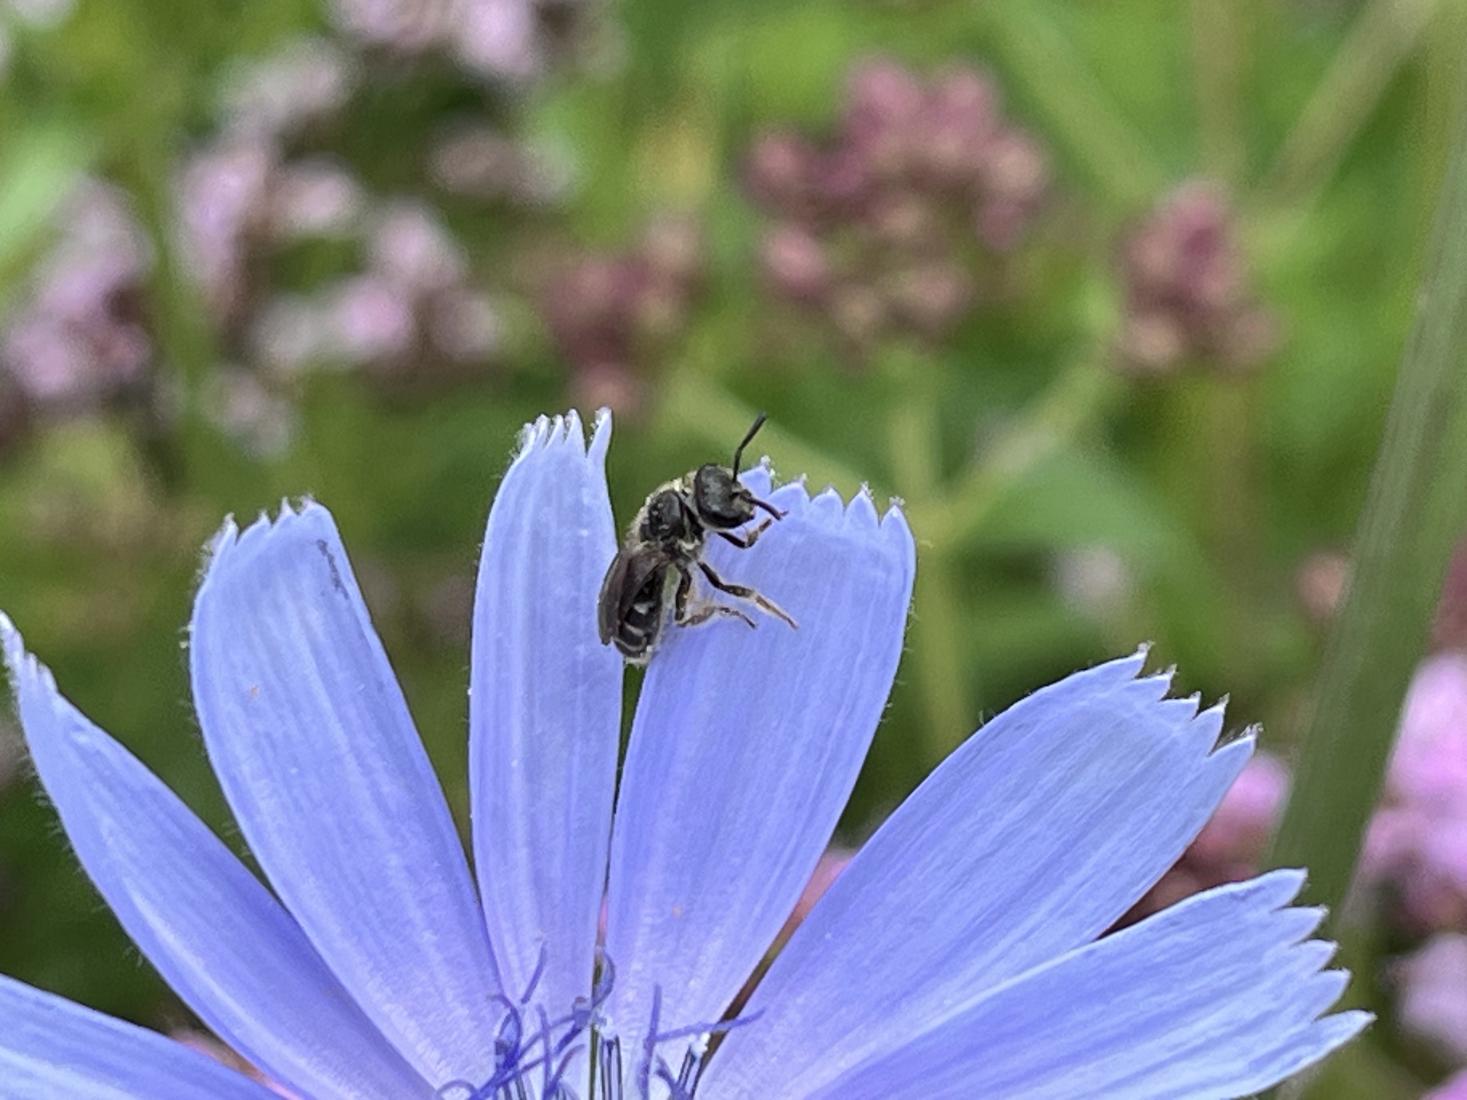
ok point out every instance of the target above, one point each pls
(827, 507)
(10, 641)
(1283, 885)
(600, 435)
(861, 512)
(547, 433)
(1248, 735)
(18, 664)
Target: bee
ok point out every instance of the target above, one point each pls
(663, 546)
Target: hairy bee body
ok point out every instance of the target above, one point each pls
(653, 570)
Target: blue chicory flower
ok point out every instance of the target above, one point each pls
(956, 956)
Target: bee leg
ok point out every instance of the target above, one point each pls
(708, 610)
(683, 617)
(743, 542)
(771, 509)
(764, 603)
(680, 600)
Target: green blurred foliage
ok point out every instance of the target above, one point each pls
(1023, 459)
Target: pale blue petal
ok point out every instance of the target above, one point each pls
(1213, 999)
(51, 1048)
(1030, 840)
(545, 711)
(313, 744)
(744, 749)
(215, 934)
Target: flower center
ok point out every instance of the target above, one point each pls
(533, 1052)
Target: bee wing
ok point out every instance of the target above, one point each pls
(625, 579)
(608, 603)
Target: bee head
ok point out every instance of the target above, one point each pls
(720, 500)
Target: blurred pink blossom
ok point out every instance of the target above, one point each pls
(611, 314)
(1450, 628)
(369, 319)
(410, 310)
(1416, 848)
(223, 206)
(1186, 290)
(306, 80)
(1432, 1000)
(483, 163)
(240, 200)
(314, 197)
(261, 421)
(409, 246)
(501, 40)
(1321, 583)
(890, 226)
(78, 336)
(1453, 1089)
(406, 26)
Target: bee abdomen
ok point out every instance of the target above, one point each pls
(640, 626)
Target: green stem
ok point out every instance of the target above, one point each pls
(1383, 37)
(1415, 510)
(944, 677)
(1217, 61)
(1216, 420)
(1077, 397)
(1445, 53)
(184, 337)
(1074, 104)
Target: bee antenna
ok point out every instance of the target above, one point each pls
(748, 436)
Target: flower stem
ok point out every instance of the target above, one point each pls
(1217, 62)
(1415, 510)
(1079, 396)
(944, 678)
(1075, 106)
(172, 449)
(1381, 40)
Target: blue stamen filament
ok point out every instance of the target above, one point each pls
(554, 1045)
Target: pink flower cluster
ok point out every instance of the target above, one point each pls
(404, 309)
(494, 39)
(888, 227)
(79, 338)
(1185, 282)
(1450, 628)
(611, 314)
(1432, 1000)
(410, 310)
(1416, 850)
(1454, 1089)
(241, 200)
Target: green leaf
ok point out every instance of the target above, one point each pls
(1076, 498)
(1415, 511)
